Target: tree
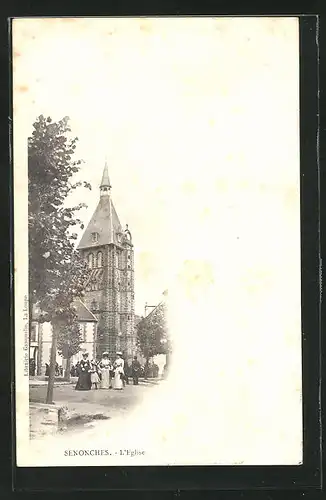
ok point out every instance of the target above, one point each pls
(69, 340)
(56, 270)
(152, 335)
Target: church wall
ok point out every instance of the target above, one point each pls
(88, 330)
(95, 292)
(127, 302)
(114, 299)
(105, 296)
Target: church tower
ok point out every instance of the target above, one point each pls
(109, 289)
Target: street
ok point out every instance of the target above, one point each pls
(87, 407)
(119, 422)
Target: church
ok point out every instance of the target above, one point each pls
(106, 313)
(109, 290)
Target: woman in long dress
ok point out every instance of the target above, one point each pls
(84, 376)
(105, 367)
(118, 372)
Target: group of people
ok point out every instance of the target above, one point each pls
(58, 371)
(104, 374)
(151, 370)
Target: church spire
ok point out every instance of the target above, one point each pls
(104, 227)
(105, 185)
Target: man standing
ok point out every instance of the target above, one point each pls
(135, 368)
(127, 372)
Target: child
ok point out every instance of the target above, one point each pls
(95, 379)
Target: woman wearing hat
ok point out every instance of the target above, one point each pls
(105, 367)
(118, 372)
(84, 375)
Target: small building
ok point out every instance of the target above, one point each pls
(41, 338)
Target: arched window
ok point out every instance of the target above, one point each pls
(90, 260)
(99, 259)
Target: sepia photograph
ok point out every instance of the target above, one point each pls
(157, 241)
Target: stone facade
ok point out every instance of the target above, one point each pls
(109, 294)
(109, 289)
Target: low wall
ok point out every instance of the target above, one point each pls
(46, 419)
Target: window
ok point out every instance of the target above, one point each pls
(93, 305)
(99, 259)
(33, 333)
(94, 237)
(129, 266)
(128, 257)
(128, 317)
(91, 260)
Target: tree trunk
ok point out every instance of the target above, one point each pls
(146, 368)
(67, 369)
(53, 358)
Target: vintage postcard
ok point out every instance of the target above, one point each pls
(157, 241)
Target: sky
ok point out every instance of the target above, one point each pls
(198, 119)
(186, 112)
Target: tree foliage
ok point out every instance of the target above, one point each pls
(56, 270)
(152, 335)
(69, 339)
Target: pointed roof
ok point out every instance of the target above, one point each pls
(82, 311)
(105, 178)
(105, 221)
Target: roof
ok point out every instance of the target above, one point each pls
(151, 315)
(83, 313)
(105, 222)
(105, 178)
